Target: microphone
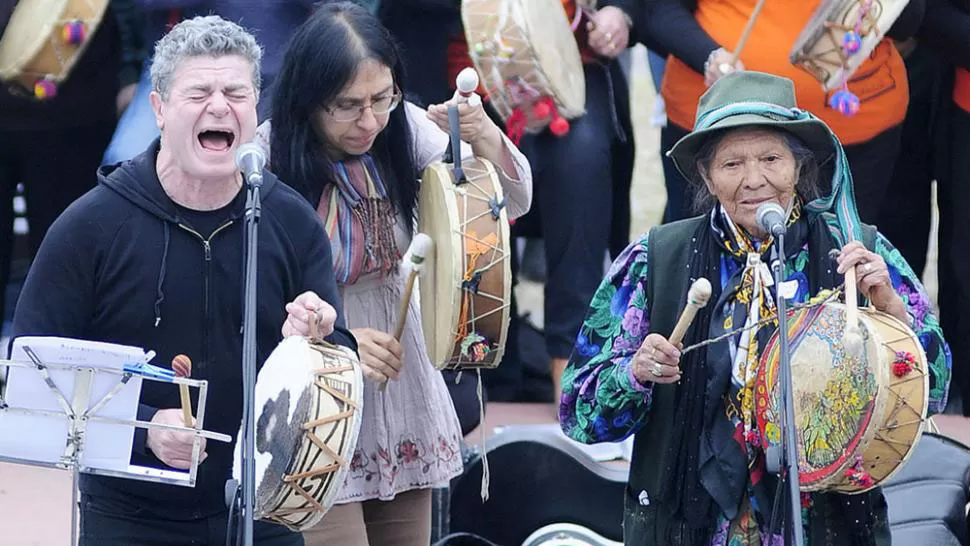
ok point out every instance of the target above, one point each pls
(250, 159)
(771, 218)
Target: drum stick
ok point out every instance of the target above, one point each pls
(853, 335)
(415, 256)
(182, 366)
(697, 297)
(746, 33)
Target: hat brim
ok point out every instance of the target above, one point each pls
(813, 133)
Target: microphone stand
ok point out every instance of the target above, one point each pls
(789, 453)
(247, 489)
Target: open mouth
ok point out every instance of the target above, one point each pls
(216, 140)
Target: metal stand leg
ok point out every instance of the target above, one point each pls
(75, 506)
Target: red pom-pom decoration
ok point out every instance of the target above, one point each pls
(904, 363)
(45, 89)
(74, 32)
(844, 102)
(541, 110)
(559, 127)
(851, 42)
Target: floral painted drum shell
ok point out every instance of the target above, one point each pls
(858, 416)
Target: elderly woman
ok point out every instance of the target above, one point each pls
(698, 474)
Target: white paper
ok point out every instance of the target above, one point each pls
(42, 438)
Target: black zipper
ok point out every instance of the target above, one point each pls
(206, 274)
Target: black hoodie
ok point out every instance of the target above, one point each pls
(121, 266)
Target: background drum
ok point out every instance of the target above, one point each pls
(526, 55)
(43, 40)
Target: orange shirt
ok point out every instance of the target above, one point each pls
(880, 83)
(961, 90)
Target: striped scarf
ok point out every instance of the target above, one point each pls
(360, 221)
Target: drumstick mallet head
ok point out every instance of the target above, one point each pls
(466, 83)
(182, 366)
(416, 258)
(697, 297)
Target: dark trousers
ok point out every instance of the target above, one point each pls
(954, 260)
(56, 167)
(573, 187)
(905, 216)
(106, 522)
(871, 163)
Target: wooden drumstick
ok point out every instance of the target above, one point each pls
(416, 255)
(744, 36)
(697, 297)
(182, 366)
(853, 334)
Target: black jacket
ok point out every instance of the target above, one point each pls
(120, 266)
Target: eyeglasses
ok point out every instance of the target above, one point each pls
(352, 112)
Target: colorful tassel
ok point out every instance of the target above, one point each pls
(852, 42)
(45, 88)
(904, 363)
(74, 32)
(844, 102)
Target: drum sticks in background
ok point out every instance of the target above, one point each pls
(697, 297)
(182, 366)
(744, 36)
(415, 256)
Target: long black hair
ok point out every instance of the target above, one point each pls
(321, 59)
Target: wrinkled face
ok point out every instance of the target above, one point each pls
(210, 111)
(372, 86)
(752, 167)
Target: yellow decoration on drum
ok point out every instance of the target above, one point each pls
(44, 40)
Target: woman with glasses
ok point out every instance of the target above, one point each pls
(341, 135)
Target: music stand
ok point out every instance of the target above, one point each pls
(90, 400)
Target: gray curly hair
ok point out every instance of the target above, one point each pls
(208, 36)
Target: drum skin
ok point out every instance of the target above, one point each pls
(466, 287)
(308, 410)
(857, 418)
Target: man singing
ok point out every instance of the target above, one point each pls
(154, 257)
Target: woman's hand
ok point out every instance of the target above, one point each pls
(380, 354)
(474, 126)
(872, 278)
(657, 360)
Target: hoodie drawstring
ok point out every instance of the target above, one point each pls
(161, 276)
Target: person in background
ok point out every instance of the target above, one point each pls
(699, 35)
(342, 134)
(54, 146)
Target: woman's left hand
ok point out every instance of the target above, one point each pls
(474, 125)
(872, 276)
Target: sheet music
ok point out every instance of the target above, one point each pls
(43, 438)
